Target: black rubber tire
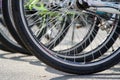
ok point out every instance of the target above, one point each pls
(2, 47)
(12, 30)
(5, 48)
(10, 45)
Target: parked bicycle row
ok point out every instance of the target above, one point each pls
(73, 36)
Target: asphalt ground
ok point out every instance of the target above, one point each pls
(16, 66)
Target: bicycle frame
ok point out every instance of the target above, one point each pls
(104, 6)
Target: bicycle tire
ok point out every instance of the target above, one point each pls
(5, 48)
(12, 46)
(12, 30)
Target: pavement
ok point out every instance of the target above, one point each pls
(16, 66)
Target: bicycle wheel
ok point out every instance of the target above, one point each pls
(2, 47)
(9, 42)
(54, 42)
(5, 41)
(77, 48)
(86, 39)
(11, 28)
(51, 58)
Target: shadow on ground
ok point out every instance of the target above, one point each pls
(89, 77)
(115, 71)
